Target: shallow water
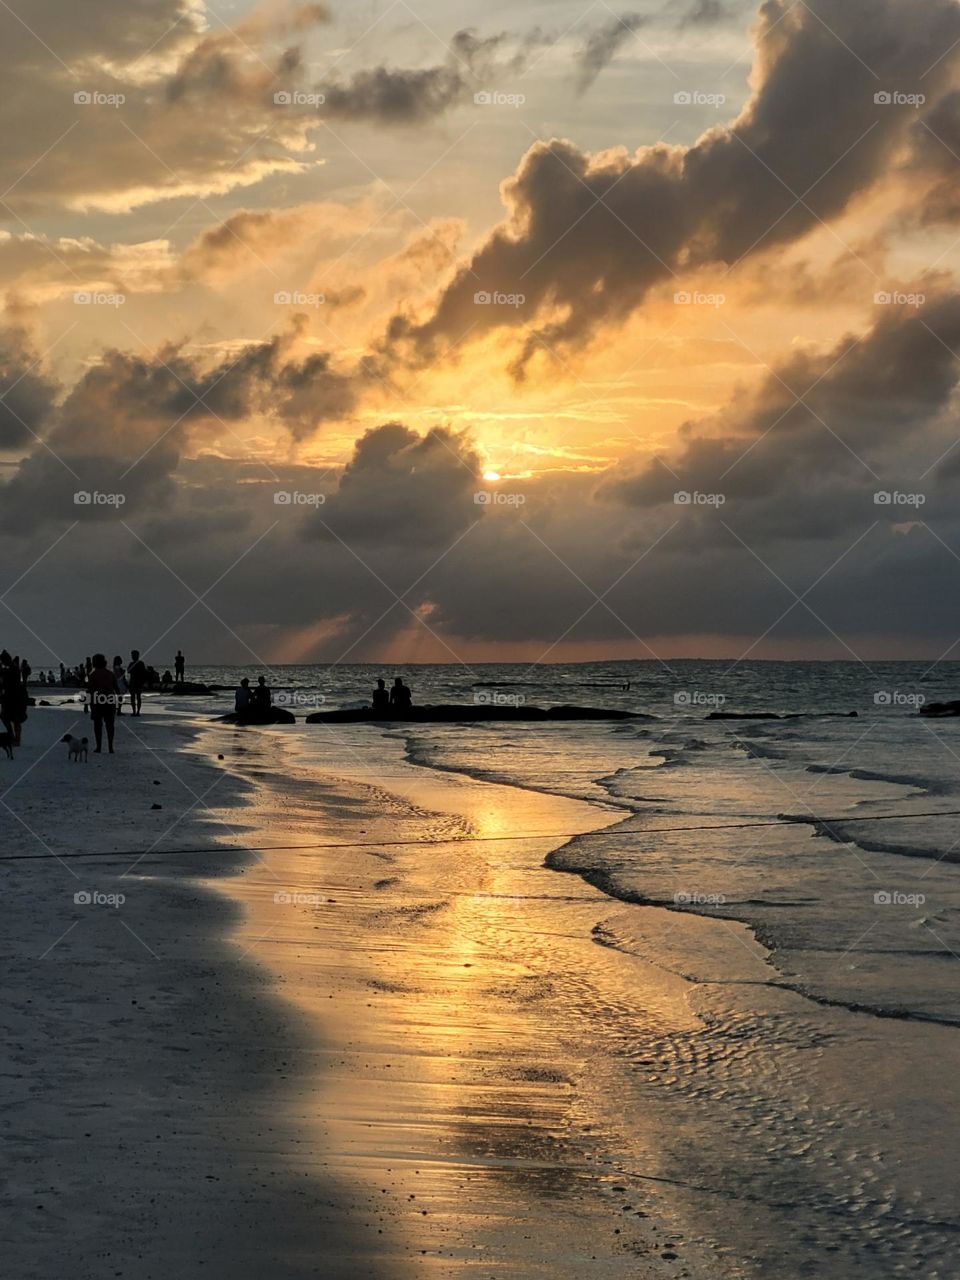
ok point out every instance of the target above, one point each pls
(757, 1020)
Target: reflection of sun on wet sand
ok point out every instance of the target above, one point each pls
(440, 977)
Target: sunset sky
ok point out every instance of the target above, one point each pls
(392, 331)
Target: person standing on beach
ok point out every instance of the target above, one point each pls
(13, 698)
(120, 676)
(179, 666)
(104, 695)
(136, 679)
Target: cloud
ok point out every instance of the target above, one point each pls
(392, 96)
(125, 426)
(27, 395)
(803, 454)
(588, 235)
(404, 489)
(602, 46)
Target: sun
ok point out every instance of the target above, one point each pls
(491, 475)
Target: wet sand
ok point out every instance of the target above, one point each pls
(354, 1062)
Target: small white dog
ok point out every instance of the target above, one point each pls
(76, 747)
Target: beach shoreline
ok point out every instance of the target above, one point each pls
(177, 1104)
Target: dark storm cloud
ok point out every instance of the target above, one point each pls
(404, 489)
(589, 235)
(602, 46)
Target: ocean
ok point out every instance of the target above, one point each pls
(784, 880)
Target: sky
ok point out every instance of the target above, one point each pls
(433, 331)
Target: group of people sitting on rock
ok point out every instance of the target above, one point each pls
(255, 701)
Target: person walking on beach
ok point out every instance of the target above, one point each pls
(104, 696)
(136, 679)
(179, 666)
(121, 678)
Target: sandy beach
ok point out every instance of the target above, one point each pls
(353, 1061)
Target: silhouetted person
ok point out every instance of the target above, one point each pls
(381, 699)
(179, 666)
(13, 698)
(261, 697)
(400, 698)
(136, 679)
(121, 678)
(242, 698)
(104, 696)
